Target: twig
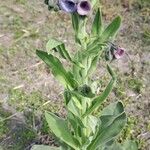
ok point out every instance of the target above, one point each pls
(11, 116)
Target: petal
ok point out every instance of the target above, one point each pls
(119, 53)
(67, 5)
(83, 7)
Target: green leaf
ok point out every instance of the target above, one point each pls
(98, 100)
(82, 33)
(111, 112)
(113, 109)
(94, 3)
(94, 48)
(58, 47)
(113, 119)
(67, 96)
(61, 49)
(111, 72)
(51, 44)
(92, 122)
(77, 100)
(75, 22)
(78, 64)
(57, 68)
(73, 108)
(127, 145)
(115, 146)
(130, 145)
(44, 147)
(79, 26)
(108, 132)
(60, 129)
(77, 69)
(111, 30)
(72, 120)
(93, 65)
(63, 52)
(76, 124)
(97, 24)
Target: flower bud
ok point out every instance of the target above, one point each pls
(83, 7)
(46, 2)
(52, 4)
(68, 5)
(108, 55)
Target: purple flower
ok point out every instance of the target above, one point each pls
(83, 7)
(68, 5)
(118, 53)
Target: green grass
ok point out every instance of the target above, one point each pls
(34, 100)
(33, 106)
(22, 137)
(1, 49)
(21, 1)
(135, 84)
(143, 3)
(4, 129)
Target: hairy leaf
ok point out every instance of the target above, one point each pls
(51, 44)
(58, 46)
(60, 129)
(111, 30)
(113, 109)
(97, 24)
(108, 133)
(57, 68)
(98, 100)
(130, 145)
(75, 21)
(93, 65)
(114, 146)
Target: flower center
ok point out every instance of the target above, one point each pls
(85, 5)
(120, 52)
(70, 4)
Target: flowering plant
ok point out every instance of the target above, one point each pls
(82, 129)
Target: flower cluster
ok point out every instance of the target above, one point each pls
(82, 7)
(114, 52)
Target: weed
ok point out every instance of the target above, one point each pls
(135, 84)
